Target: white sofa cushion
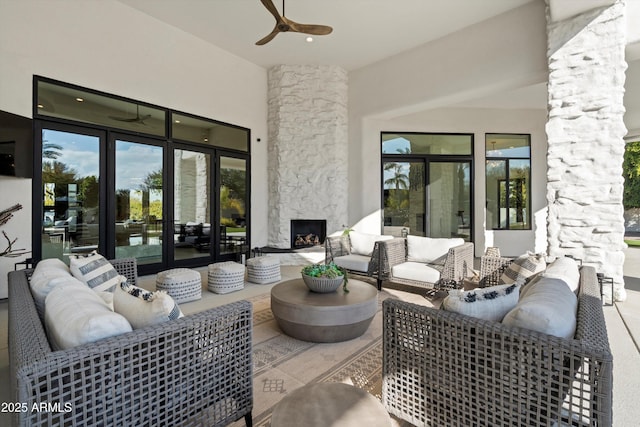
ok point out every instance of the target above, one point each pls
(143, 308)
(490, 303)
(94, 270)
(363, 243)
(546, 305)
(76, 315)
(428, 249)
(353, 262)
(415, 271)
(565, 269)
(41, 281)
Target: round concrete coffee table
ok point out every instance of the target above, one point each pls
(331, 317)
(329, 404)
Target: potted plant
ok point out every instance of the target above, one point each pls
(325, 278)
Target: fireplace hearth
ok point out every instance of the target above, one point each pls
(308, 232)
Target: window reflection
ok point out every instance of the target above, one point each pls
(139, 194)
(70, 189)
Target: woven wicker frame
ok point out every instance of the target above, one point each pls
(194, 371)
(442, 368)
(458, 262)
(491, 269)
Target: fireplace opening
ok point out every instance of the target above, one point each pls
(308, 232)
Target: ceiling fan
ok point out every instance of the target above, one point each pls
(283, 25)
(137, 119)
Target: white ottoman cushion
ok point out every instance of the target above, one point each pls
(225, 277)
(183, 284)
(353, 262)
(263, 270)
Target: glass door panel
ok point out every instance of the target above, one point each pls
(139, 200)
(449, 196)
(70, 193)
(233, 202)
(404, 198)
(192, 235)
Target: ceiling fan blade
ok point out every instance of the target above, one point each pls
(271, 8)
(268, 37)
(316, 30)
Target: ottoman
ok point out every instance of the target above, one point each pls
(225, 277)
(263, 270)
(182, 284)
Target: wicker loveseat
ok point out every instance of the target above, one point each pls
(196, 370)
(444, 368)
(447, 259)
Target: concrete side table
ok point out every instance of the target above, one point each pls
(330, 404)
(330, 317)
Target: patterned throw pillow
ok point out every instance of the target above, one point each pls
(94, 270)
(143, 308)
(522, 268)
(491, 303)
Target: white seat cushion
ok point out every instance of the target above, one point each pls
(416, 271)
(428, 249)
(353, 262)
(363, 243)
(546, 305)
(76, 315)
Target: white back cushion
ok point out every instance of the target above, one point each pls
(76, 315)
(363, 243)
(565, 269)
(429, 250)
(546, 305)
(41, 281)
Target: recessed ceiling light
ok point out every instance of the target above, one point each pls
(177, 121)
(40, 106)
(79, 99)
(206, 140)
(309, 39)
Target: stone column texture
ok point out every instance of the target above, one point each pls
(585, 131)
(307, 148)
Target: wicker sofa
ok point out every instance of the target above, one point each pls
(196, 370)
(395, 262)
(444, 368)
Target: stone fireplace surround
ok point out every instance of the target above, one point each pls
(307, 148)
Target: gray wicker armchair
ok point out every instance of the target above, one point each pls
(194, 371)
(442, 368)
(455, 265)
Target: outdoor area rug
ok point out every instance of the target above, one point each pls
(283, 364)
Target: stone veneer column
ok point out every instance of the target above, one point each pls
(585, 132)
(307, 151)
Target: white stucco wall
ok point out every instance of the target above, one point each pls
(108, 46)
(502, 53)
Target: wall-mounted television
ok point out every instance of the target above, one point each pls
(16, 145)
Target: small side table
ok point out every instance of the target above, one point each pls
(330, 404)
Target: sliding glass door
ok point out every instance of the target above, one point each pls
(233, 201)
(69, 207)
(192, 225)
(139, 197)
(426, 184)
